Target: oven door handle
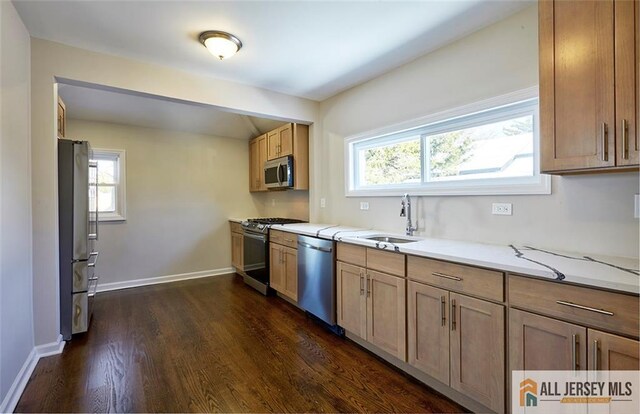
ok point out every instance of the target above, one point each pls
(262, 238)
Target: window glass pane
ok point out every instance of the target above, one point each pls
(106, 199)
(495, 150)
(395, 163)
(107, 171)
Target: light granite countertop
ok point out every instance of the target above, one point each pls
(607, 272)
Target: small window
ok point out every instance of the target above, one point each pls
(111, 184)
(493, 151)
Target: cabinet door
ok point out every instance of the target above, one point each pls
(273, 144)
(262, 158)
(576, 85)
(351, 301)
(254, 161)
(540, 343)
(276, 267)
(237, 250)
(612, 352)
(627, 51)
(290, 269)
(477, 350)
(285, 134)
(428, 330)
(386, 313)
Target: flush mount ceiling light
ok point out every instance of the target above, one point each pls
(221, 44)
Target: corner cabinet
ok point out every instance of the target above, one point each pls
(290, 139)
(589, 93)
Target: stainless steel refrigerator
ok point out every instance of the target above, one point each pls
(78, 229)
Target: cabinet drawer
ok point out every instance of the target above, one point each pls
(606, 310)
(467, 279)
(350, 253)
(235, 227)
(284, 238)
(387, 262)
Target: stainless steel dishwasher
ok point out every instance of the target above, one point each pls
(317, 278)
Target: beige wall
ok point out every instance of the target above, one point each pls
(51, 61)
(591, 214)
(181, 190)
(16, 317)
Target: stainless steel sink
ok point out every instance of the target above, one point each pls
(390, 239)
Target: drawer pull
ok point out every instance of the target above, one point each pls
(442, 275)
(587, 308)
(289, 240)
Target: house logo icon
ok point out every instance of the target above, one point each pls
(528, 393)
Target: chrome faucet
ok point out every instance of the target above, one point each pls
(405, 211)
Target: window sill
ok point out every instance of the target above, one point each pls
(111, 217)
(541, 186)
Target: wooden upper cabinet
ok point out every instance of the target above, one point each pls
(273, 144)
(588, 85)
(627, 68)
(257, 158)
(285, 139)
(62, 118)
(612, 352)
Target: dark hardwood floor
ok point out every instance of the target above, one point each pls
(216, 345)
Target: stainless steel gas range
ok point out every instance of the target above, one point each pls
(256, 251)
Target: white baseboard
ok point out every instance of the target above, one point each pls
(19, 384)
(105, 287)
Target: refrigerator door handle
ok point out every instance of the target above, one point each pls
(93, 254)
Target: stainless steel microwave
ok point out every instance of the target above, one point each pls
(278, 173)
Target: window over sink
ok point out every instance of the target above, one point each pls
(490, 147)
(111, 184)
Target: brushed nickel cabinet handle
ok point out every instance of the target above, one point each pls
(587, 308)
(624, 130)
(595, 354)
(368, 285)
(574, 343)
(361, 283)
(289, 240)
(442, 275)
(605, 142)
(443, 304)
(453, 314)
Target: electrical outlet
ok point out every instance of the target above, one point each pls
(364, 205)
(636, 204)
(323, 202)
(501, 209)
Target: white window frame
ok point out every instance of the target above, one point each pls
(119, 155)
(456, 118)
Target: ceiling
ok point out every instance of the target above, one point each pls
(312, 49)
(121, 108)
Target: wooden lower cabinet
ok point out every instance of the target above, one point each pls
(612, 352)
(237, 250)
(351, 307)
(477, 350)
(459, 341)
(428, 330)
(283, 270)
(386, 317)
(540, 343)
(372, 305)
